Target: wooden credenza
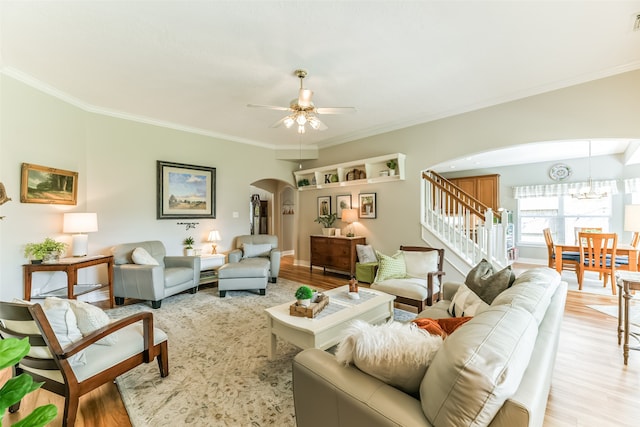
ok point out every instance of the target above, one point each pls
(336, 253)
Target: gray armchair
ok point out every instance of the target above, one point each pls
(273, 255)
(172, 275)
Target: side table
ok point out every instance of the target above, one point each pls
(71, 267)
(627, 281)
(209, 265)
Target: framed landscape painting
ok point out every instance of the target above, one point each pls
(185, 191)
(41, 184)
(368, 206)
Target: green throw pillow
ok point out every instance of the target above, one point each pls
(391, 267)
(485, 282)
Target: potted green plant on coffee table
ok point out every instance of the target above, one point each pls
(304, 295)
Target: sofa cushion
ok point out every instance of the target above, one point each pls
(441, 326)
(465, 302)
(396, 353)
(479, 367)
(65, 326)
(366, 254)
(90, 318)
(390, 267)
(251, 267)
(142, 257)
(419, 263)
(486, 282)
(532, 291)
(250, 250)
(408, 287)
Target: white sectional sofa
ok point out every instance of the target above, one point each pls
(494, 370)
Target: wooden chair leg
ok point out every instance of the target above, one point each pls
(163, 359)
(71, 404)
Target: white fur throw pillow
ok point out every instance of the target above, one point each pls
(142, 257)
(465, 302)
(396, 353)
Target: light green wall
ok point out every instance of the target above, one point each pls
(116, 161)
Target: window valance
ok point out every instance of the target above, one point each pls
(565, 189)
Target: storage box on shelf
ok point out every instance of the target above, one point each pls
(367, 171)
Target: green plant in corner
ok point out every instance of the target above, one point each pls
(37, 251)
(392, 164)
(327, 220)
(188, 242)
(304, 292)
(12, 350)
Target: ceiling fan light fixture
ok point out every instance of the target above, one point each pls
(301, 119)
(288, 122)
(314, 123)
(301, 129)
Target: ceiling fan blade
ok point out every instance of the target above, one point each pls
(304, 98)
(270, 107)
(322, 126)
(278, 123)
(336, 110)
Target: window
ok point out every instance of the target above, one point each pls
(562, 214)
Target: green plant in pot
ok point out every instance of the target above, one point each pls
(327, 223)
(12, 350)
(48, 251)
(188, 245)
(392, 165)
(304, 295)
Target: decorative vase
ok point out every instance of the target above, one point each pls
(51, 258)
(392, 172)
(189, 252)
(304, 302)
(327, 231)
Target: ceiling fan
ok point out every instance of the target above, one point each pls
(303, 111)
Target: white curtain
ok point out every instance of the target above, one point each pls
(566, 189)
(632, 185)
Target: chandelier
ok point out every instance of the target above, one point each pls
(589, 191)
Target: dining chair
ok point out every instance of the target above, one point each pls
(570, 260)
(622, 261)
(577, 230)
(596, 252)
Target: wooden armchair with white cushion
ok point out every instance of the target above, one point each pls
(413, 275)
(76, 347)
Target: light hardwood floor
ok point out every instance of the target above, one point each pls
(590, 387)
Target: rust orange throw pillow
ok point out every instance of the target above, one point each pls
(441, 327)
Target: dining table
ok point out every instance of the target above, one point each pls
(621, 250)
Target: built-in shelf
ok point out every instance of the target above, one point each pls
(357, 172)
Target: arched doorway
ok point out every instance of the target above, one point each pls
(278, 207)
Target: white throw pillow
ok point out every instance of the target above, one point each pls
(420, 263)
(90, 318)
(251, 251)
(142, 257)
(65, 326)
(366, 254)
(396, 353)
(466, 303)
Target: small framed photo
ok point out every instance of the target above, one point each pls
(324, 206)
(41, 184)
(342, 202)
(368, 206)
(185, 191)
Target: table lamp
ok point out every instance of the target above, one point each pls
(214, 236)
(350, 216)
(80, 223)
(632, 219)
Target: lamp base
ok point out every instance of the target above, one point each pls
(213, 249)
(79, 244)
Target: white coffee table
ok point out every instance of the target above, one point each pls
(326, 329)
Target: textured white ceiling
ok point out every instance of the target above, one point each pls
(196, 64)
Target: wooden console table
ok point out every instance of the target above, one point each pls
(627, 281)
(337, 253)
(71, 267)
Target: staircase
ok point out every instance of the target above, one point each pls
(469, 229)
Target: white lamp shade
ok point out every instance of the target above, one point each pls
(350, 215)
(214, 236)
(632, 218)
(80, 222)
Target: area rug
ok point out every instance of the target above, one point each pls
(612, 310)
(219, 374)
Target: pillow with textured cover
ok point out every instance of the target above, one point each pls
(442, 327)
(395, 353)
(366, 254)
(90, 318)
(466, 303)
(390, 267)
(486, 282)
(252, 251)
(142, 257)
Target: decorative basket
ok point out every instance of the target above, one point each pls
(312, 311)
